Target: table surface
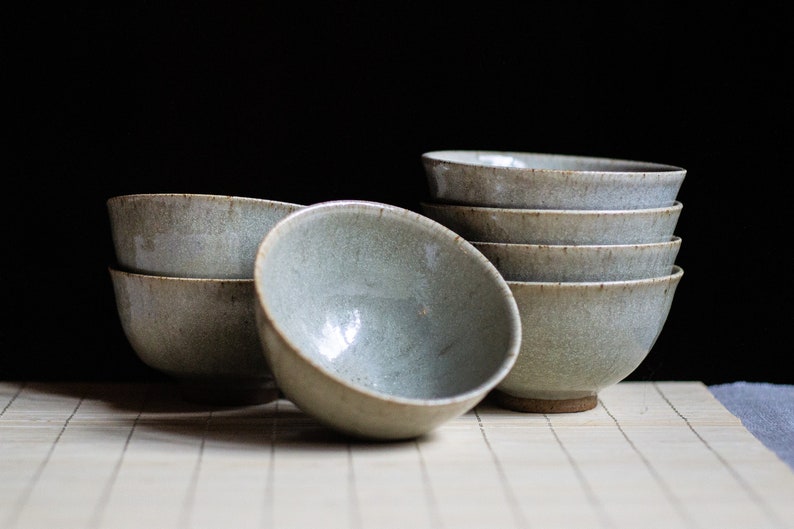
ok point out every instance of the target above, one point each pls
(651, 455)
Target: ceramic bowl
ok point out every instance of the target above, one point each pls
(191, 235)
(200, 332)
(604, 262)
(548, 181)
(557, 226)
(379, 322)
(581, 337)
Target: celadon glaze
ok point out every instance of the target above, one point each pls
(557, 226)
(380, 322)
(548, 181)
(610, 262)
(191, 235)
(579, 338)
(201, 332)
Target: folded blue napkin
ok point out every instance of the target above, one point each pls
(766, 410)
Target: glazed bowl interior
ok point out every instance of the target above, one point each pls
(547, 161)
(387, 302)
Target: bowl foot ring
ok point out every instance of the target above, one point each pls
(546, 405)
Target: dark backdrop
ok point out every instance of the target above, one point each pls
(305, 103)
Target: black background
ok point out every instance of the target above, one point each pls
(311, 102)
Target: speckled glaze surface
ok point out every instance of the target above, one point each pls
(191, 235)
(612, 262)
(548, 181)
(201, 332)
(379, 322)
(579, 338)
(555, 226)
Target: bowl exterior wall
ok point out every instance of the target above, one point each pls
(546, 181)
(195, 236)
(579, 339)
(329, 400)
(557, 227)
(533, 262)
(191, 329)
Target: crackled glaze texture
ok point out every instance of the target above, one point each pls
(543, 262)
(379, 322)
(201, 332)
(190, 235)
(548, 181)
(579, 338)
(554, 226)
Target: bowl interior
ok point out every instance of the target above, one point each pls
(546, 161)
(387, 301)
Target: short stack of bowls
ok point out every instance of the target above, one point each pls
(184, 288)
(588, 248)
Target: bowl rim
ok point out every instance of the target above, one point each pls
(675, 274)
(121, 271)
(675, 240)
(458, 157)
(676, 206)
(205, 197)
(412, 217)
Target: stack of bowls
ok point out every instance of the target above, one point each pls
(375, 320)
(588, 248)
(184, 288)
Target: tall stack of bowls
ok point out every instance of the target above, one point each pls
(184, 288)
(587, 246)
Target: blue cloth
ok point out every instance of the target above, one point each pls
(766, 410)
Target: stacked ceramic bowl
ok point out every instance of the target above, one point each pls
(588, 248)
(184, 287)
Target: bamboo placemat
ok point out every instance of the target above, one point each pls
(650, 455)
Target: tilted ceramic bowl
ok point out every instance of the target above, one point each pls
(201, 332)
(579, 338)
(603, 262)
(379, 322)
(557, 226)
(548, 181)
(191, 235)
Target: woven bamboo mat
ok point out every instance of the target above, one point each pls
(650, 455)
